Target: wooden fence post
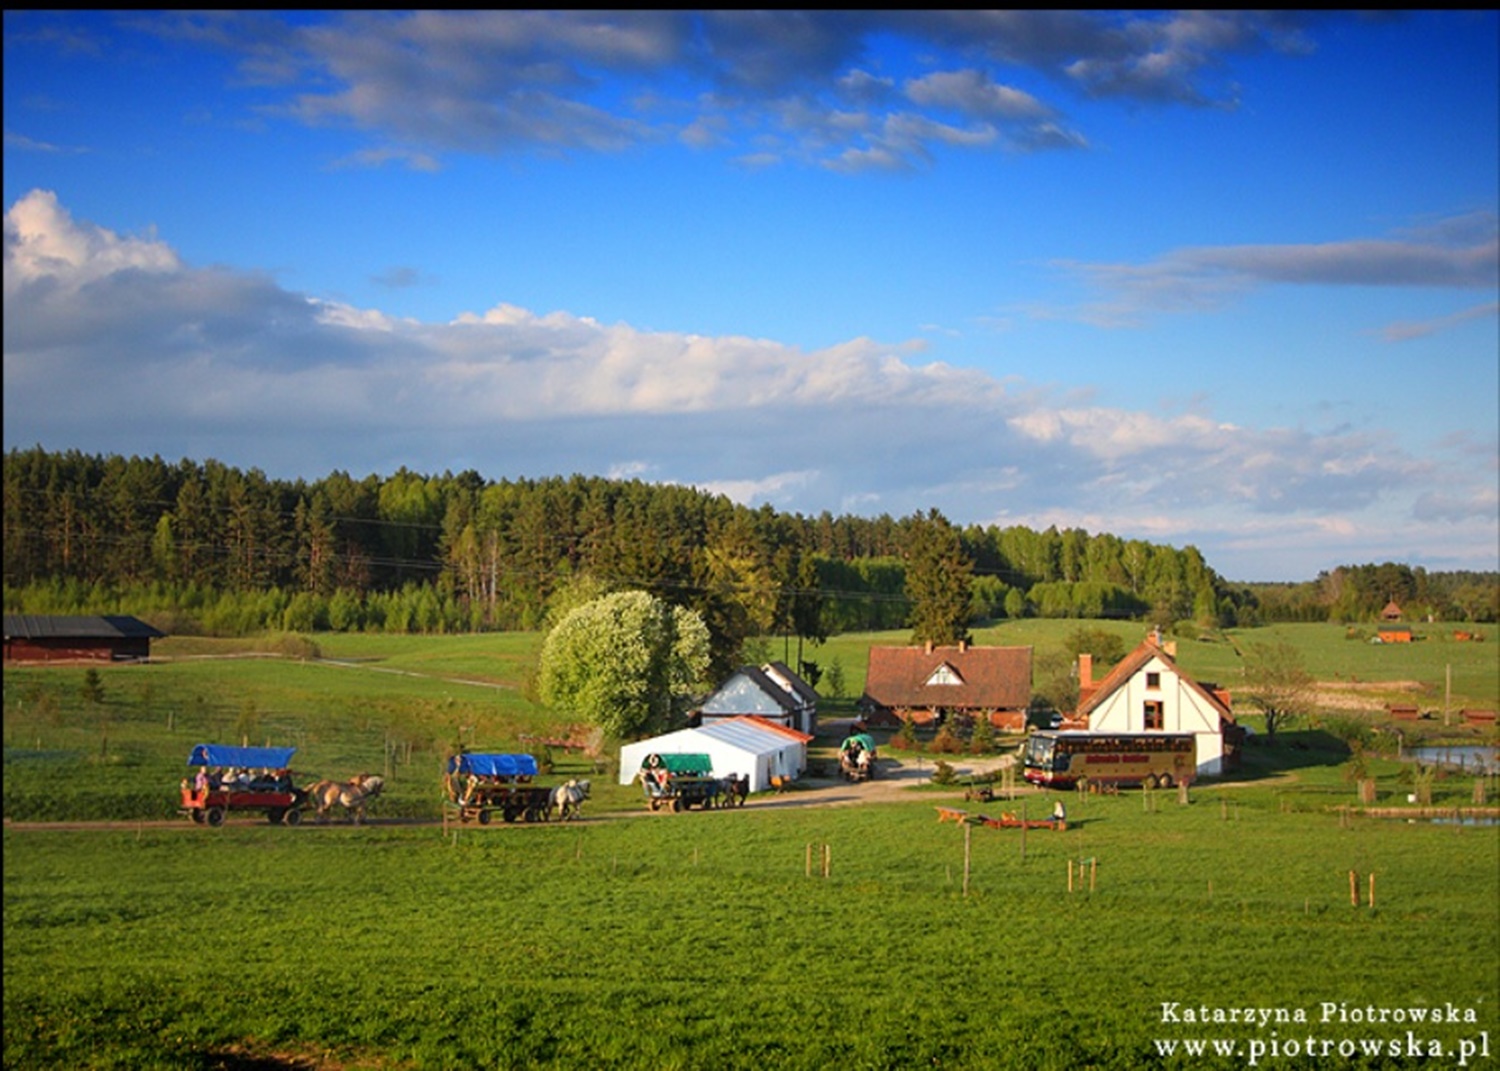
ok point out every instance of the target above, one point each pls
(1354, 888)
(968, 830)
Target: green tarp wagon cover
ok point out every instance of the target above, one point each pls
(685, 765)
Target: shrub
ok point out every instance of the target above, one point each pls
(942, 773)
(947, 742)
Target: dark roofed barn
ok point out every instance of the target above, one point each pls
(111, 638)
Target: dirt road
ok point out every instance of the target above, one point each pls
(894, 779)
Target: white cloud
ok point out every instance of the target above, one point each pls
(114, 345)
(41, 242)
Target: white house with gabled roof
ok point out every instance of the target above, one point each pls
(1147, 692)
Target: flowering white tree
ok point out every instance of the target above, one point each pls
(625, 661)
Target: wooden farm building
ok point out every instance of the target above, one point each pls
(771, 691)
(1148, 692)
(926, 684)
(1394, 634)
(112, 638)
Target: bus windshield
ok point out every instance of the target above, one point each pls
(1039, 751)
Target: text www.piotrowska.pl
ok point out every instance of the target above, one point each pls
(1254, 1051)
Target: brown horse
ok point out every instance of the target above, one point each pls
(350, 795)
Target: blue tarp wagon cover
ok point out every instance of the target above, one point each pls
(270, 758)
(519, 765)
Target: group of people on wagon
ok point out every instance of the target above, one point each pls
(234, 778)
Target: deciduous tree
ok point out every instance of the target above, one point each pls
(1277, 682)
(624, 662)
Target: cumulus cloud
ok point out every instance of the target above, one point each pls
(114, 344)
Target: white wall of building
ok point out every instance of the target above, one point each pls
(1184, 710)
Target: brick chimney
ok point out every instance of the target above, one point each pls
(929, 647)
(963, 645)
(1085, 671)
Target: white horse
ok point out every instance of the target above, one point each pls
(567, 798)
(352, 795)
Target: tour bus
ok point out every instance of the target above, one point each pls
(1156, 760)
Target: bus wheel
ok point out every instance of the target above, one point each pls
(1166, 780)
(1150, 781)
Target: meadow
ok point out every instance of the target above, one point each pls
(702, 940)
(711, 939)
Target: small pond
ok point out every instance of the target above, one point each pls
(1473, 758)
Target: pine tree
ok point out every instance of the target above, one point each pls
(938, 577)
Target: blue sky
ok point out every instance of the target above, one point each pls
(1218, 279)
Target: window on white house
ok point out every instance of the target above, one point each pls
(1155, 716)
(1153, 681)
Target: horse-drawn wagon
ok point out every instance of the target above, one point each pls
(677, 782)
(857, 757)
(480, 785)
(241, 779)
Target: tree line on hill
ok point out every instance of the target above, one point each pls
(202, 546)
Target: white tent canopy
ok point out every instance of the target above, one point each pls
(743, 746)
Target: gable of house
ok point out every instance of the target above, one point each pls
(1148, 692)
(771, 691)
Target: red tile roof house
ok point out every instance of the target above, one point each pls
(1147, 692)
(925, 684)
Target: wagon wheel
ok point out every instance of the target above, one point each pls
(214, 816)
(292, 817)
(651, 803)
(484, 816)
(197, 817)
(274, 815)
(510, 814)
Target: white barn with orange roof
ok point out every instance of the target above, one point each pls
(747, 746)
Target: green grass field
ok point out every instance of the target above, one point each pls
(699, 940)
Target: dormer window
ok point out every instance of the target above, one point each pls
(945, 674)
